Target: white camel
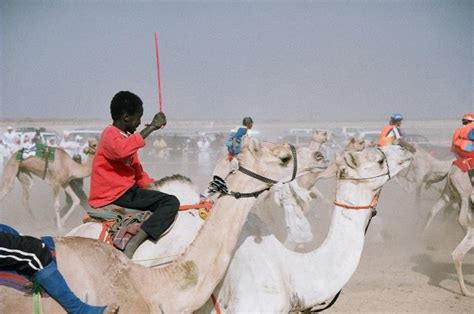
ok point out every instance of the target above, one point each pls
(264, 276)
(179, 287)
(458, 189)
(57, 173)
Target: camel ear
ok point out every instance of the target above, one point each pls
(352, 140)
(252, 143)
(351, 160)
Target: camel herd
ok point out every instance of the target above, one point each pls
(245, 256)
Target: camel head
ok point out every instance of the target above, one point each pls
(274, 161)
(322, 136)
(356, 144)
(310, 160)
(91, 146)
(372, 166)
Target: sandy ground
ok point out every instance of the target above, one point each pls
(407, 272)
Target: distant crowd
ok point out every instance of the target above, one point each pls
(14, 140)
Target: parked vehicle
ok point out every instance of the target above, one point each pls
(83, 133)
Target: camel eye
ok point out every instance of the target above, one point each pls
(318, 156)
(285, 160)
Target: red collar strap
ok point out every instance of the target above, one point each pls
(372, 204)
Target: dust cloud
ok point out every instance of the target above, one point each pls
(401, 270)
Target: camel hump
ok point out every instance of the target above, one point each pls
(172, 178)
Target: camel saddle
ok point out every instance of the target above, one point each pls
(466, 165)
(119, 224)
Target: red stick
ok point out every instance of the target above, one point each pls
(160, 101)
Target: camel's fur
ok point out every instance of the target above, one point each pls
(282, 280)
(58, 174)
(184, 285)
(458, 189)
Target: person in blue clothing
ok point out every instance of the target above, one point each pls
(31, 257)
(234, 141)
(235, 138)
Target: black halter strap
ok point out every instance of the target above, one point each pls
(219, 185)
(268, 180)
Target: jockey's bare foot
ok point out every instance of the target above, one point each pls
(112, 309)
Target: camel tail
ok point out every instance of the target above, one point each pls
(9, 174)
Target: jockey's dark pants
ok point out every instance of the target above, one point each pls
(24, 254)
(164, 208)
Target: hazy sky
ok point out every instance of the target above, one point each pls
(295, 60)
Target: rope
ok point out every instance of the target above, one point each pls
(46, 158)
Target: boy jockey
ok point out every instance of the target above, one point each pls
(118, 176)
(392, 134)
(234, 141)
(463, 144)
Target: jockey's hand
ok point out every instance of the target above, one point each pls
(159, 120)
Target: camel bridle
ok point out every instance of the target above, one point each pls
(373, 177)
(375, 198)
(219, 185)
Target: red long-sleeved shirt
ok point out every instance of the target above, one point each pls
(116, 167)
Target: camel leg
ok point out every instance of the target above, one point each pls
(26, 184)
(443, 201)
(75, 202)
(57, 207)
(464, 187)
(464, 214)
(458, 255)
(8, 178)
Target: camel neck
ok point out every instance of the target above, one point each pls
(83, 170)
(205, 261)
(334, 262)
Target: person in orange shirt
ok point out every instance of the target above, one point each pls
(118, 176)
(461, 144)
(392, 133)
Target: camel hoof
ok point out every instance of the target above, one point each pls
(112, 309)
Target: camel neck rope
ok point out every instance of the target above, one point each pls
(218, 185)
(372, 204)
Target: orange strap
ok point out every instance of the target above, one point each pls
(216, 305)
(204, 204)
(372, 204)
(104, 234)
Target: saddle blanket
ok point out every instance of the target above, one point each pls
(38, 150)
(464, 164)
